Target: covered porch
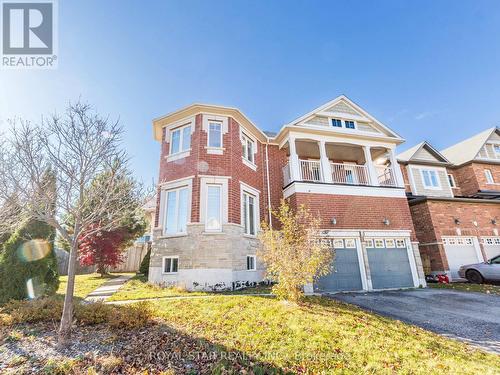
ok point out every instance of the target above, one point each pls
(340, 163)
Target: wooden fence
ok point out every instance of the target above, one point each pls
(132, 259)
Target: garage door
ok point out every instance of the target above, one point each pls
(345, 274)
(491, 246)
(459, 251)
(389, 264)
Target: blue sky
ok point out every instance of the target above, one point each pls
(428, 69)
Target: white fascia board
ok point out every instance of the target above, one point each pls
(353, 190)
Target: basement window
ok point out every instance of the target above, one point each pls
(251, 263)
(170, 264)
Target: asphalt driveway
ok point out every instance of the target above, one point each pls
(470, 317)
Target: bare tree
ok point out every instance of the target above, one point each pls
(77, 147)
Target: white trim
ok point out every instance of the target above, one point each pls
(244, 188)
(180, 128)
(362, 267)
(454, 185)
(214, 180)
(215, 150)
(489, 176)
(387, 233)
(436, 175)
(178, 155)
(413, 263)
(163, 264)
(343, 115)
(332, 189)
(221, 141)
(254, 263)
(174, 185)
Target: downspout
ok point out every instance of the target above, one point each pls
(268, 190)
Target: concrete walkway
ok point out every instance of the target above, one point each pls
(107, 289)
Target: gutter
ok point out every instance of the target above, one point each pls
(420, 199)
(268, 191)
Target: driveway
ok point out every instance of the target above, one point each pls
(470, 317)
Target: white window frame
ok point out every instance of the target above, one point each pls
(213, 180)
(221, 137)
(185, 122)
(163, 261)
(451, 180)
(369, 243)
(400, 243)
(169, 186)
(254, 257)
(343, 124)
(350, 243)
(489, 176)
(247, 189)
(209, 118)
(177, 210)
(353, 121)
(430, 187)
(379, 243)
(181, 140)
(219, 229)
(245, 139)
(390, 243)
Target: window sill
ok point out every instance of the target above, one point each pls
(254, 236)
(215, 150)
(251, 270)
(178, 155)
(212, 232)
(170, 273)
(249, 163)
(167, 236)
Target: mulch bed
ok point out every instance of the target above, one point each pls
(32, 349)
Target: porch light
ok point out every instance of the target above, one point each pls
(494, 221)
(334, 221)
(386, 221)
(475, 223)
(457, 221)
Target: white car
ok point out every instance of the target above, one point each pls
(479, 272)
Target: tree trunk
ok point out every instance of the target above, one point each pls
(101, 269)
(67, 314)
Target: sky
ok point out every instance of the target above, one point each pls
(430, 70)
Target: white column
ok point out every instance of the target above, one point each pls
(371, 168)
(294, 161)
(398, 175)
(326, 170)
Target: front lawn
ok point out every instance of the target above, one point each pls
(321, 336)
(467, 287)
(139, 288)
(84, 284)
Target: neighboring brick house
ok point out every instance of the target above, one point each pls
(220, 176)
(454, 201)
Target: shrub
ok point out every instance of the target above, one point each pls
(144, 267)
(39, 310)
(294, 255)
(50, 309)
(28, 266)
(92, 313)
(131, 316)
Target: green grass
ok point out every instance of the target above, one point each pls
(139, 288)
(84, 284)
(466, 287)
(321, 336)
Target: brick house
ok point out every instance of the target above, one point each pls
(454, 198)
(220, 175)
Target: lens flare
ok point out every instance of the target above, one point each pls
(33, 250)
(34, 288)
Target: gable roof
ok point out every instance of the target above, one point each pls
(468, 149)
(415, 154)
(345, 99)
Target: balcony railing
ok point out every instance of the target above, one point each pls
(386, 177)
(310, 170)
(351, 174)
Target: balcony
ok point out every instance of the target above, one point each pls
(347, 174)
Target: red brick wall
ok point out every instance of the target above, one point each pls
(357, 212)
(230, 163)
(434, 218)
(470, 177)
(406, 179)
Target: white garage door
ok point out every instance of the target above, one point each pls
(491, 246)
(459, 251)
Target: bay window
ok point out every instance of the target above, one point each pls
(248, 148)
(215, 134)
(176, 211)
(249, 213)
(214, 208)
(180, 139)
